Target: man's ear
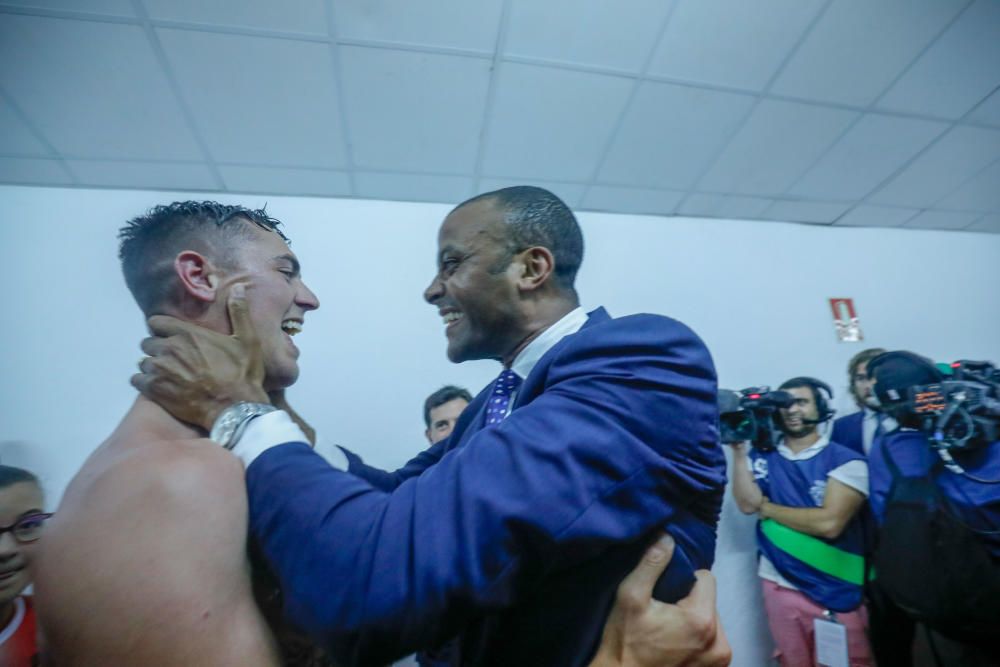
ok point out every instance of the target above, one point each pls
(538, 264)
(199, 277)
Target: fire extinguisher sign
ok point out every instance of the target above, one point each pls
(845, 321)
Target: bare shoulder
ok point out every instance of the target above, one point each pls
(157, 534)
(188, 471)
(157, 478)
(157, 500)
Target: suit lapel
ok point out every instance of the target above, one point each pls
(473, 418)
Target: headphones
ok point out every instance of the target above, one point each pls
(819, 388)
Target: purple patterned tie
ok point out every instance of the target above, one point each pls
(506, 384)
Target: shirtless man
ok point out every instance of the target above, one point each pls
(154, 526)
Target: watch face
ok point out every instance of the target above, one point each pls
(229, 425)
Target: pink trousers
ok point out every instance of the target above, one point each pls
(790, 616)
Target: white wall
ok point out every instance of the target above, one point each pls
(756, 292)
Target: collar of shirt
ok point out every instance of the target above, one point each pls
(807, 453)
(570, 323)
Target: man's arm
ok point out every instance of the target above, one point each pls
(385, 480)
(582, 467)
(643, 632)
(375, 574)
(840, 504)
(745, 490)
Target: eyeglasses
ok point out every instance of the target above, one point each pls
(27, 528)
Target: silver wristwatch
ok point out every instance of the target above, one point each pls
(232, 421)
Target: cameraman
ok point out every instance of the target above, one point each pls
(939, 548)
(808, 492)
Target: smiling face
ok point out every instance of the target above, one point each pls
(277, 301)
(17, 501)
(793, 419)
(475, 289)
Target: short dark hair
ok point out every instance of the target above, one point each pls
(441, 396)
(862, 357)
(798, 383)
(9, 475)
(150, 242)
(536, 217)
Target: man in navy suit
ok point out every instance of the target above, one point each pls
(858, 429)
(515, 531)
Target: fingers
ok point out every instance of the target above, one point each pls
(702, 593)
(699, 609)
(153, 346)
(721, 653)
(637, 587)
(165, 325)
(143, 383)
(239, 314)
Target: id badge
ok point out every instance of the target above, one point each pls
(831, 643)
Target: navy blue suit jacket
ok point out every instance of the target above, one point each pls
(514, 536)
(848, 431)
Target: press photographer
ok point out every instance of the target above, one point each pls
(935, 491)
(808, 492)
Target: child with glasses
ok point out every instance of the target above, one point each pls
(21, 521)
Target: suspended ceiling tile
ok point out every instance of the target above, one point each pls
(806, 211)
(413, 187)
(106, 7)
(33, 171)
(957, 157)
(670, 133)
(957, 72)
(748, 40)
(871, 151)
(15, 136)
(413, 111)
(284, 181)
(876, 216)
(131, 174)
(942, 220)
(443, 23)
(631, 200)
(570, 193)
(94, 90)
(617, 35)
(988, 223)
(301, 16)
(988, 111)
(859, 47)
(724, 206)
(259, 100)
(551, 124)
(981, 193)
(778, 142)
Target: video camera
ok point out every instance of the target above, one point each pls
(750, 415)
(961, 412)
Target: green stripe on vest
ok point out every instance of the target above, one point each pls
(814, 552)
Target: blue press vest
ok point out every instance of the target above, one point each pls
(802, 483)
